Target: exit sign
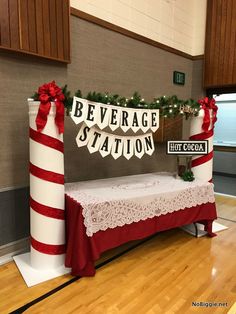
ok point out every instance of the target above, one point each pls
(178, 78)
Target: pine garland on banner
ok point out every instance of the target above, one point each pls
(169, 106)
(114, 111)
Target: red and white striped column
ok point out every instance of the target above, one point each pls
(47, 221)
(202, 166)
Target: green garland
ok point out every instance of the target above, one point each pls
(169, 107)
(188, 175)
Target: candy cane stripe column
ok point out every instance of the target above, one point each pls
(202, 165)
(47, 219)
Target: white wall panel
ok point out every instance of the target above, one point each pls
(177, 23)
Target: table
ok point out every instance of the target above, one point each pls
(103, 214)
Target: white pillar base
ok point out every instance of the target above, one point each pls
(34, 276)
(216, 227)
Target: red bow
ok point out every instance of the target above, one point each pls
(47, 93)
(207, 104)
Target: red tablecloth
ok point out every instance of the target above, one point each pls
(82, 250)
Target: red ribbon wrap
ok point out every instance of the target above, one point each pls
(46, 140)
(48, 93)
(208, 104)
(47, 211)
(46, 174)
(50, 249)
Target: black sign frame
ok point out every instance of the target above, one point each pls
(182, 144)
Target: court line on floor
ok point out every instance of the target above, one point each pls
(227, 219)
(223, 194)
(25, 307)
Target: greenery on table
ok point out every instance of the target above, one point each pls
(188, 175)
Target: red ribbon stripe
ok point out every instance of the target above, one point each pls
(201, 160)
(46, 175)
(202, 136)
(46, 140)
(48, 211)
(47, 248)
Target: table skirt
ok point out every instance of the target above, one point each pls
(83, 251)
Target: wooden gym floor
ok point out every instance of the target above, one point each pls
(164, 275)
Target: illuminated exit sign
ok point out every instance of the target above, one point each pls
(178, 78)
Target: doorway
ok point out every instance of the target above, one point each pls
(224, 165)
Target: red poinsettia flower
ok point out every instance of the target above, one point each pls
(50, 89)
(207, 104)
(47, 93)
(43, 89)
(61, 97)
(44, 98)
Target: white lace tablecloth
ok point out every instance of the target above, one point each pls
(113, 202)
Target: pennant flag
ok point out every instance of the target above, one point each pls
(92, 113)
(136, 117)
(139, 146)
(79, 110)
(95, 140)
(117, 146)
(154, 119)
(125, 119)
(106, 145)
(128, 148)
(114, 118)
(83, 136)
(103, 116)
(149, 144)
(145, 120)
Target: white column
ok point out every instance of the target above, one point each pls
(47, 224)
(204, 170)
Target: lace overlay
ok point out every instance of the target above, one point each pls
(109, 203)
